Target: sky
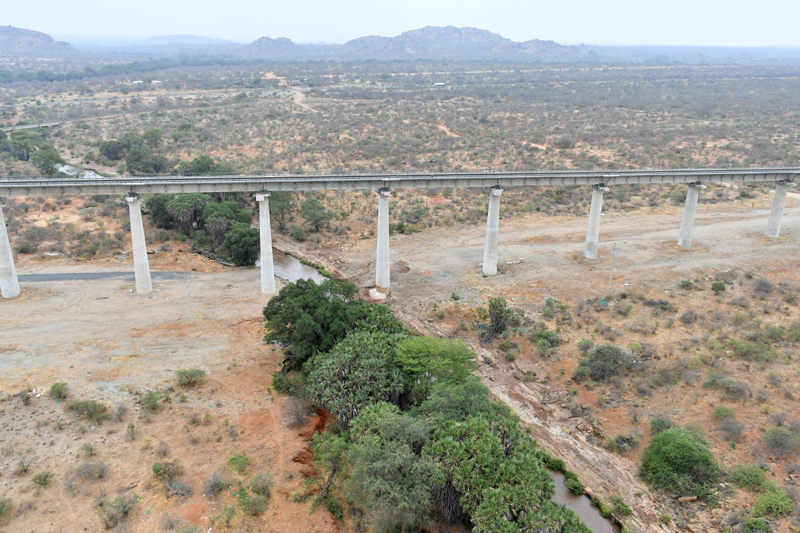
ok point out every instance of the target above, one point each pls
(654, 22)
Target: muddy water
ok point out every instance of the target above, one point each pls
(581, 506)
(291, 269)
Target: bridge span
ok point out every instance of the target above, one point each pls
(495, 182)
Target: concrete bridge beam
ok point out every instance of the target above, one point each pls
(492, 232)
(689, 211)
(9, 284)
(776, 214)
(141, 265)
(593, 231)
(382, 263)
(265, 230)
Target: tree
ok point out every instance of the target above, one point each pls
(157, 209)
(459, 401)
(243, 244)
(187, 210)
(718, 287)
(500, 317)
(24, 143)
(153, 137)
(281, 203)
(426, 361)
(387, 473)
(47, 161)
(356, 373)
(114, 150)
(315, 213)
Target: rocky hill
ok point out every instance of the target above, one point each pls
(431, 42)
(22, 42)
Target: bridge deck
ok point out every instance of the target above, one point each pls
(319, 182)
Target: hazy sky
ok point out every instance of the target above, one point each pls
(694, 22)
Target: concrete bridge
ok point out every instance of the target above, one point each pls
(30, 126)
(495, 182)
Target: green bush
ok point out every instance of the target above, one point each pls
(554, 464)
(607, 360)
(96, 411)
(679, 460)
(749, 476)
(262, 484)
(190, 376)
(150, 400)
(239, 463)
(282, 384)
(582, 374)
(657, 425)
(168, 470)
(722, 412)
(773, 502)
(755, 525)
(59, 390)
(573, 483)
(780, 441)
(252, 505)
(334, 507)
(585, 345)
(718, 287)
(620, 507)
(42, 478)
(5, 506)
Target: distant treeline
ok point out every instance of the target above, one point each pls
(136, 67)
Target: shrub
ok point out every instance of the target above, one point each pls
(750, 477)
(179, 488)
(124, 504)
(150, 401)
(163, 449)
(42, 478)
(226, 515)
(686, 284)
(718, 287)
(190, 377)
(620, 507)
(657, 425)
(282, 384)
(732, 429)
(299, 234)
(679, 460)
(334, 507)
(216, 484)
(585, 345)
(582, 374)
(96, 470)
(773, 502)
(689, 317)
(262, 484)
(239, 463)
(624, 443)
(722, 412)
(554, 463)
(59, 390)
(780, 441)
(755, 525)
(96, 411)
(252, 505)
(607, 360)
(5, 506)
(168, 470)
(573, 483)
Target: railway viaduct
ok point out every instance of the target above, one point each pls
(495, 182)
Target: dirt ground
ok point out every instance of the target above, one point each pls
(109, 343)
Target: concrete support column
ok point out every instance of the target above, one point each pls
(141, 265)
(382, 263)
(265, 231)
(593, 232)
(9, 285)
(689, 210)
(776, 214)
(492, 232)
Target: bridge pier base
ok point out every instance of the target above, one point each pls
(776, 214)
(689, 211)
(593, 231)
(9, 284)
(141, 265)
(382, 263)
(265, 231)
(492, 232)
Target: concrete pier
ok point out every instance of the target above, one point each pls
(265, 231)
(382, 263)
(689, 211)
(492, 232)
(141, 265)
(776, 214)
(593, 232)
(9, 284)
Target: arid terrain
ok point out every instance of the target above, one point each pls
(112, 345)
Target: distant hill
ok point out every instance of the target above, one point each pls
(22, 42)
(432, 42)
(180, 39)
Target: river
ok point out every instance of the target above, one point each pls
(581, 506)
